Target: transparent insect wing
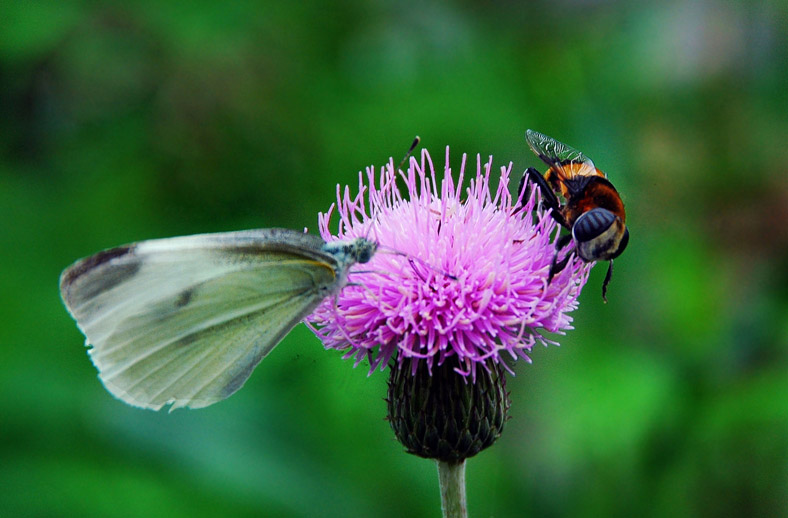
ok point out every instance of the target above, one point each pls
(568, 160)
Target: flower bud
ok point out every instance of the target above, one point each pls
(446, 415)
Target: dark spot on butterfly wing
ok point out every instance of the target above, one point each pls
(81, 267)
(184, 298)
(83, 280)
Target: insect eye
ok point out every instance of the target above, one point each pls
(592, 223)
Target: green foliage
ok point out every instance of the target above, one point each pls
(131, 121)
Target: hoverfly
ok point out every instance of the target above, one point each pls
(593, 212)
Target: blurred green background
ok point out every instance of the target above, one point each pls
(127, 122)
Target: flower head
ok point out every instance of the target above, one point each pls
(455, 276)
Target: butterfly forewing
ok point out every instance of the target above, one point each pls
(185, 320)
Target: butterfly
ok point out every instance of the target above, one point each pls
(184, 321)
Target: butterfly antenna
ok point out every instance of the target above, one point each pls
(412, 259)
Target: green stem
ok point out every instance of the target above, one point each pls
(451, 476)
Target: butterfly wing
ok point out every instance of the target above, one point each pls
(184, 321)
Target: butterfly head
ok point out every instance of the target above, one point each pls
(359, 250)
(362, 249)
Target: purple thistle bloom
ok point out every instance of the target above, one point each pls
(405, 299)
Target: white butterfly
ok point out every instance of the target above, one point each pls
(185, 320)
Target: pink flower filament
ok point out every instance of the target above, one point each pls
(452, 277)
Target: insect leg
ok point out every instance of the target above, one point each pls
(607, 281)
(548, 195)
(523, 188)
(556, 267)
(536, 177)
(523, 193)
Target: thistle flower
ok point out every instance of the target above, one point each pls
(468, 280)
(465, 286)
